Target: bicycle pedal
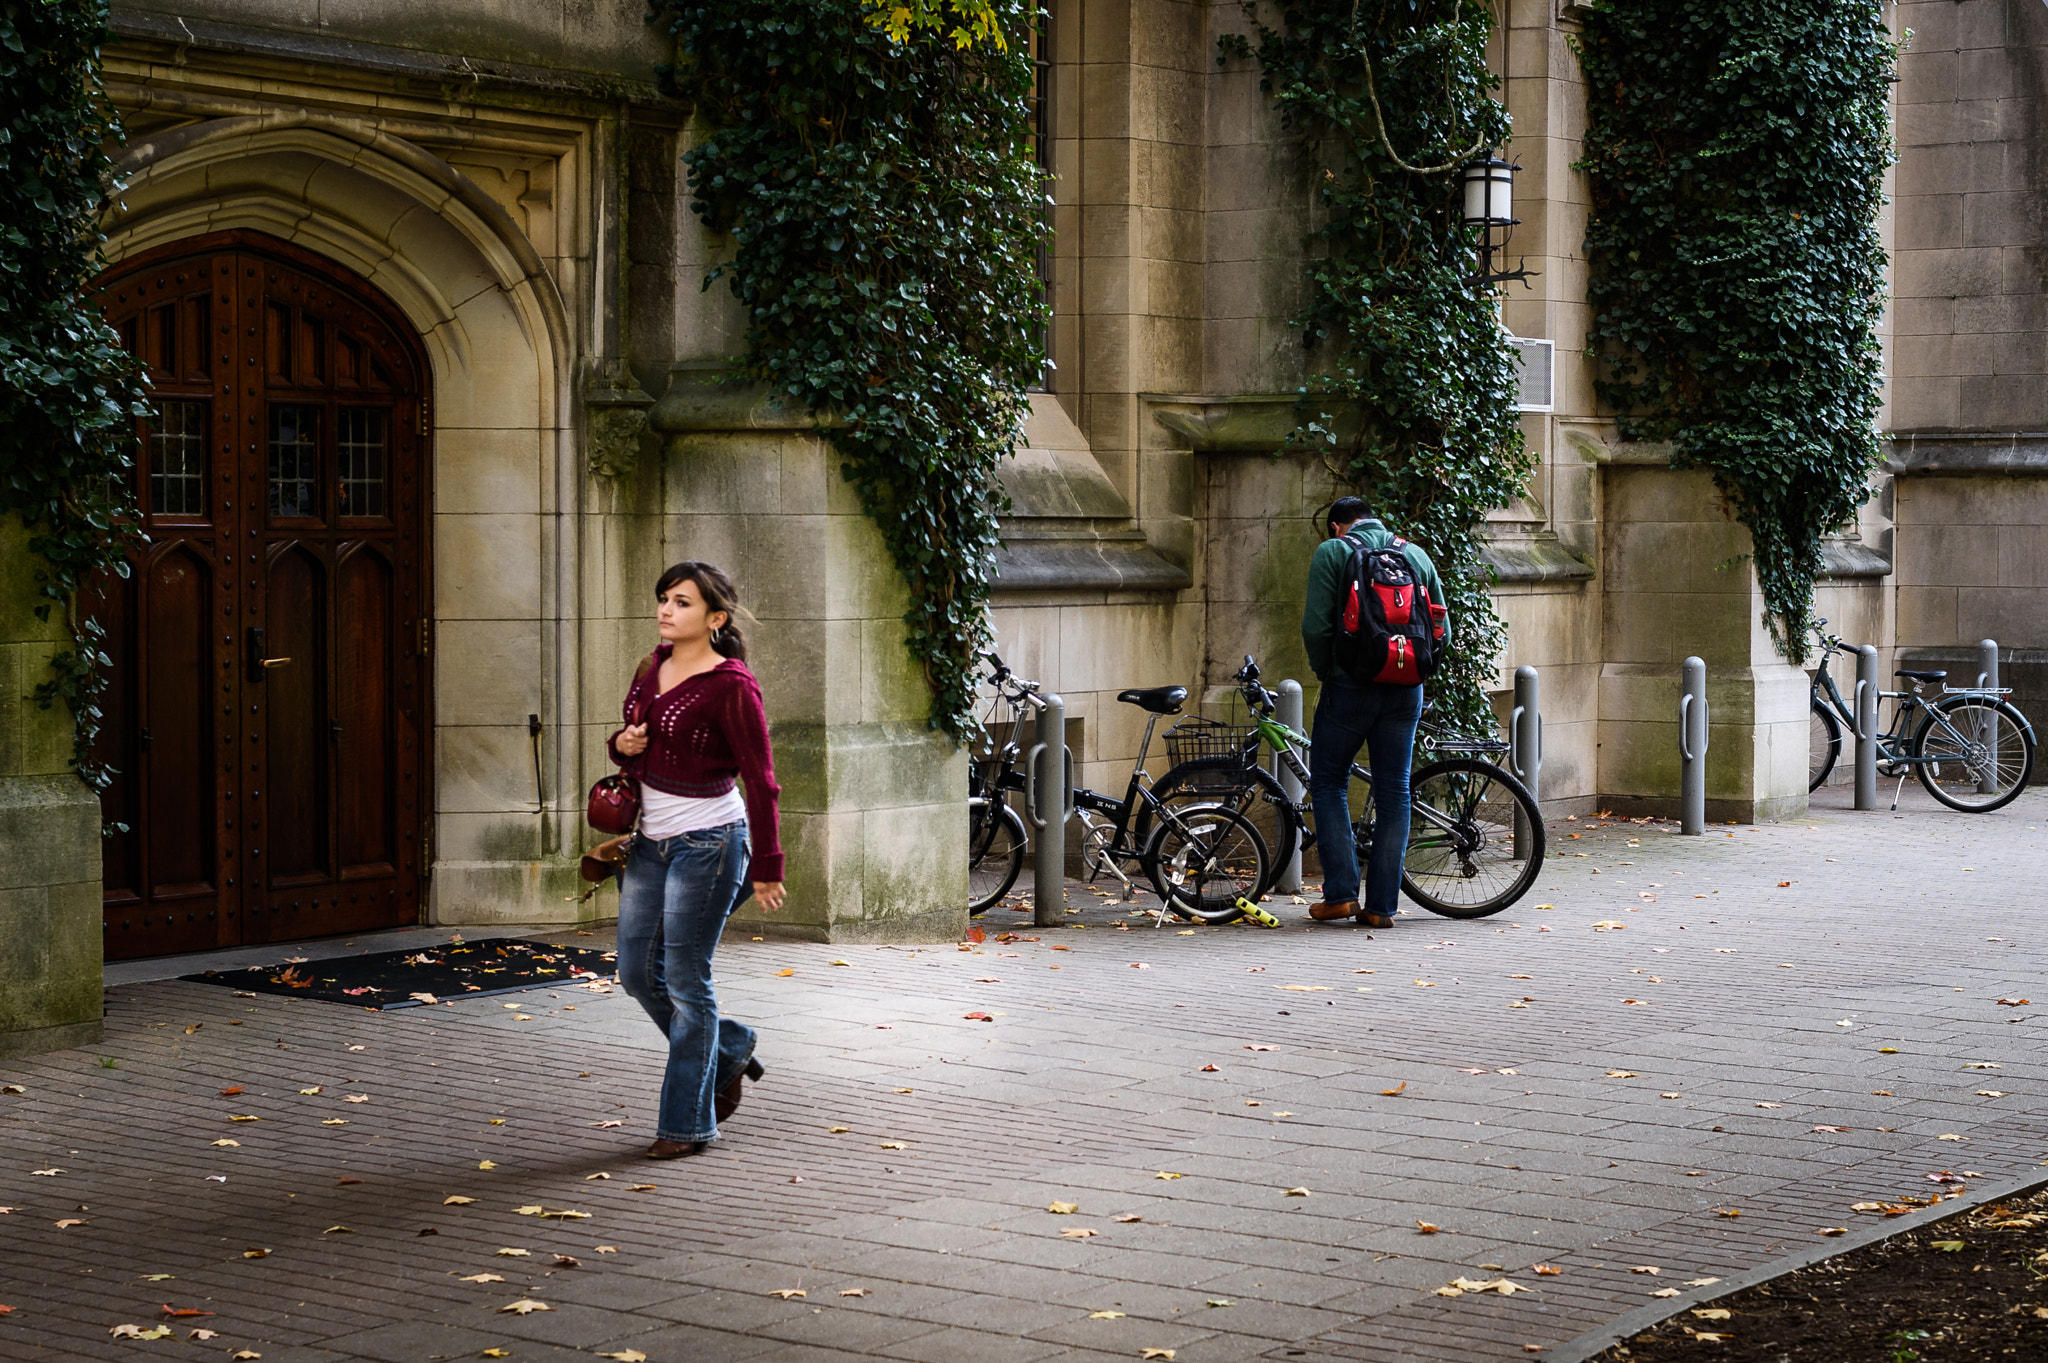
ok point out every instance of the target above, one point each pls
(1256, 914)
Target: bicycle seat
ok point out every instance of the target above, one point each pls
(1918, 675)
(1160, 700)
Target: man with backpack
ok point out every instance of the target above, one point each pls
(1375, 626)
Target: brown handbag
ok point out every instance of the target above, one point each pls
(614, 803)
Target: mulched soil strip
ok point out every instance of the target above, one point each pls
(1968, 1287)
(410, 979)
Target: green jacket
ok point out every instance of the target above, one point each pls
(1326, 584)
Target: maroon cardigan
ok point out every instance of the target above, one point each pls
(701, 733)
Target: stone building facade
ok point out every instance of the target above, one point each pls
(461, 244)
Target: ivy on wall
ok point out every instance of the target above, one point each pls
(1413, 393)
(885, 214)
(69, 395)
(1737, 153)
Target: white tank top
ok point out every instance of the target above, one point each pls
(666, 816)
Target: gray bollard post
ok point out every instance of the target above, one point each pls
(1987, 680)
(1048, 804)
(1525, 749)
(1692, 747)
(1288, 712)
(1867, 687)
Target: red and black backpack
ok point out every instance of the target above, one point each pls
(1388, 630)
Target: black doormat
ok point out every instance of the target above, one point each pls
(408, 979)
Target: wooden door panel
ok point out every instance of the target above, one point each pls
(366, 647)
(283, 486)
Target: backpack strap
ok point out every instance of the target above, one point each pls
(640, 675)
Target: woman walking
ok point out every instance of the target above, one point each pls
(694, 721)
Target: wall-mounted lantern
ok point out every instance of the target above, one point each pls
(1489, 188)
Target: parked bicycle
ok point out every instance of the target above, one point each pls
(1476, 837)
(1972, 749)
(1204, 862)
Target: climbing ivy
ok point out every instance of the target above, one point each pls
(69, 396)
(885, 212)
(1737, 151)
(1412, 397)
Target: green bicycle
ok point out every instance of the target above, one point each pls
(1475, 839)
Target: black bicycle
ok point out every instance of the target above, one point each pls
(1204, 861)
(1972, 750)
(1475, 834)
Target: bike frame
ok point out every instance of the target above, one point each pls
(1891, 741)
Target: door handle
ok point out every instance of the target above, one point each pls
(258, 663)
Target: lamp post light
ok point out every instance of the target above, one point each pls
(1489, 188)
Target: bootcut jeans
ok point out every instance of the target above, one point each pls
(673, 902)
(1381, 719)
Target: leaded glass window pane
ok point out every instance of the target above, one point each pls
(294, 460)
(361, 445)
(177, 459)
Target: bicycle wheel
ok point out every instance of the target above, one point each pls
(1203, 859)
(1982, 752)
(1823, 744)
(995, 852)
(1252, 792)
(1475, 839)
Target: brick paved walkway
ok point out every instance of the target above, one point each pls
(1744, 1013)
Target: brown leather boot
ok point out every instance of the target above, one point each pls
(1330, 913)
(1375, 920)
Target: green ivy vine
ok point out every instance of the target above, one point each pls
(885, 212)
(69, 395)
(1737, 152)
(1412, 395)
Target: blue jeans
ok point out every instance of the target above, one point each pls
(1380, 719)
(673, 902)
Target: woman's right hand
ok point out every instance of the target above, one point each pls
(632, 740)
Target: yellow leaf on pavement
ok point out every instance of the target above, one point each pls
(1297, 1192)
(1063, 1208)
(1105, 1315)
(525, 1306)
(236, 1144)
(513, 1253)
(456, 1200)
(786, 1293)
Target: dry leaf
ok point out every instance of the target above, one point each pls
(1389, 1093)
(1646, 1268)
(642, 1187)
(137, 1332)
(894, 1145)
(1297, 1192)
(607, 1126)
(525, 1306)
(1219, 1301)
(245, 1119)
(245, 1355)
(1427, 1227)
(627, 1356)
(1166, 1354)
(1623, 1074)
(1712, 1312)
(308, 1093)
(1701, 1282)
(487, 1164)
(1547, 1270)
(838, 1130)
(497, 1353)
(1836, 1129)
(855, 1292)
(1991, 1093)
(1127, 1217)
(786, 1293)
(784, 973)
(1163, 1174)
(229, 1093)
(69, 1222)
(335, 1121)
(255, 1254)
(1770, 1105)
(1105, 1315)
(1948, 1246)
(1728, 1211)
(607, 1249)
(568, 1261)
(1306, 988)
(236, 1144)
(12, 1089)
(456, 1200)
(1250, 1047)
(484, 1278)
(1665, 1292)
(1951, 1136)
(513, 1253)
(203, 1334)
(1063, 1208)
(2015, 1003)
(1077, 1233)
(1833, 1230)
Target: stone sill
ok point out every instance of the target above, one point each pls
(1968, 453)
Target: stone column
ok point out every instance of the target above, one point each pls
(50, 934)
(1678, 580)
(874, 801)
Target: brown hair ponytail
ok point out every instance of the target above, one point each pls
(715, 586)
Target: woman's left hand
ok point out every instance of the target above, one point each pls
(769, 892)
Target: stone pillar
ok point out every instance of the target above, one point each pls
(874, 801)
(50, 934)
(1678, 580)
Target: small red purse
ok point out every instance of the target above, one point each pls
(614, 803)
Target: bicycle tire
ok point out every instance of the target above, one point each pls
(1959, 792)
(1483, 803)
(1823, 744)
(1201, 780)
(995, 852)
(1234, 862)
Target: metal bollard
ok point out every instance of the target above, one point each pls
(1987, 680)
(1867, 687)
(1525, 750)
(1048, 804)
(1288, 711)
(1692, 747)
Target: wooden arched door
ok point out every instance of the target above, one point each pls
(269, 714)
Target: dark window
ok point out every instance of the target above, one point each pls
(294, 460)
(177, 459)
(361, 441)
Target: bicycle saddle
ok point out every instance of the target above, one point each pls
(1917, 675)
(1160, 700)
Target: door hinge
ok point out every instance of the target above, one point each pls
(426, 637)
(426, 850)
(423, 418)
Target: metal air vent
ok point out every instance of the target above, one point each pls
(1533, 369)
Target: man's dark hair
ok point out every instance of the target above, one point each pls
(1345, 510)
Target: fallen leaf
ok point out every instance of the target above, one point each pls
(203, 1333)
(1250, 1047)
(567, 1261)
(1701, 1282)
(525, 1306)
(1948, 1246)
(1728, 1211)
(249, 1355)
(1833, 1230)
(607, 1249)
(484, 1278)
(69, 1222)
(894, 1145)
(627, 1356)
(255, 1254)
(1951, 1137)
(642, 1187)
(514, 1253)
(1668, 1095)
(1991, 1093)
(1837, 1129)
(497, 1353)
(1396, 1089)
(1105, 1315)
(308, 1093)
(1712, 1312)
(229, 1093)
(838, 1130)
(12, 1089)
(1166, 1354)
(1547, 1270)
(608, 1125)
(855, 1292)
(1219, 1301)
(1077, 1233)
(156, 1277)
(905, 1090)
(1427, 1227)
(137, 1332)
(456, 1200)
(1646, 1268)
(1127, 1217)
(1623, 1074)
(1770, 1105)
(1307, 988)
(1665, 1292)
(236, 1144)
(337, 1230)
(850, 963)
(1063, 1208)
(1163, 1174)
(335, 1121)
(356, 1098)
(976, 1017)
(487, 1164)
(193, 1028)
(2015, 1003)
(784, 973)
(245, 1119)
(1297, 1192)
(344, 1182)
(786, 1293)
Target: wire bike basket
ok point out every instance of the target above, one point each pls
(1196, 737)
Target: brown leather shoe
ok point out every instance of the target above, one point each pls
(675, 1149)
(1330, 913)
(1375, 920)
(727, 1100)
